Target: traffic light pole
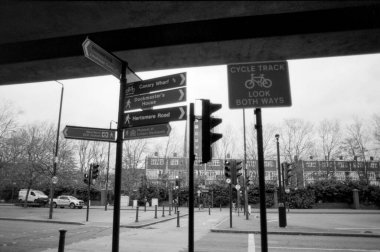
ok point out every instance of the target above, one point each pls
(281, 205)
(245, 172)
(260, 152)
(89, 191)
(191, 178)
(230, 205)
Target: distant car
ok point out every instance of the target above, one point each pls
(68, 201)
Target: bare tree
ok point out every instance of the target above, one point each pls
(226, 145)
(297, 138)
(376, 129)
(269, 142)
(330, 135)
(357, 139)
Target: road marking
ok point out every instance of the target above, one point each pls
(251, 243)
(359, 228)
(324, 249)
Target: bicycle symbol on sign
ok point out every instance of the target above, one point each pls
(259, 80)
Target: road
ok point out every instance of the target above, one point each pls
(224, 242)
(28, 236)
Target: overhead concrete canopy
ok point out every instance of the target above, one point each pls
(42, 41)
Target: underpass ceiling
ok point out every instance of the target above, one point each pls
(42, 41)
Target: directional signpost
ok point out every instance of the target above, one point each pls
(94, 134)
(157, 130)
(156, 84)
(107, 60)
(155, 99)
(157, 116)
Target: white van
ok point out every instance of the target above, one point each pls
(34, 196)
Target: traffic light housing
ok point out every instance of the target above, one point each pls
(288, 172)
(228, 169)
(85, 178)
(177, 184)
(238, 168)
(208, 123)
(95, 171)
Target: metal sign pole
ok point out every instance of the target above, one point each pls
(260, 152)
(191, 178)
(89, 191)
(118, 166)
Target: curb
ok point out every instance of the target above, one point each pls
(150, 223)
(46, 221)
(294, 233)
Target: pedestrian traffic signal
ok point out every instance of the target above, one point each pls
(177, 184)
(228, 170)
(249, 181)
(85, 178)
(95, 171)
(288, 171)
(239, 168)
(208, 123)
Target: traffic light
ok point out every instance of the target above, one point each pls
(249, 181)
(288, 172)
(177, 184)
(239, 168)
(228, 170)
(85, 179)
(208, 123)
(95, 171)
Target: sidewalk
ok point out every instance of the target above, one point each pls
(325, 222)
(333, 222)
(97, 215)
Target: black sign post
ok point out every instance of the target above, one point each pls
(257, 85)
(119, 68)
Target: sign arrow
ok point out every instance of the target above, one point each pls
(156, 84)
(94, 134)
(155, 99)
(158, 116)
(150, 131)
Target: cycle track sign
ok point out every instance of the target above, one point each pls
(259, 85)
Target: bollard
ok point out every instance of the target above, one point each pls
(145, 207)
(163, 211)
(137, 214)
(155, 211)
(177, 218)
(355, 196)
(209, 210)
(170, 210)
(61, 246)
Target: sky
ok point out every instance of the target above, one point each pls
(321, 88)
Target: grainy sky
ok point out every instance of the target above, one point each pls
(331, 88)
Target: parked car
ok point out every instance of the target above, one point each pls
(35, 196)
(68, 201)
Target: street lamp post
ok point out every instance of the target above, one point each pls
(281, 205)
(55, 155)
(108, 168)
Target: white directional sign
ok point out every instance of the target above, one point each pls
(156, 84)
(95, 134)
(155, 99)
(107, 60)
(149, 131)
(157, 116)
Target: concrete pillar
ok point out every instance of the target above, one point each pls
(355, 195)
